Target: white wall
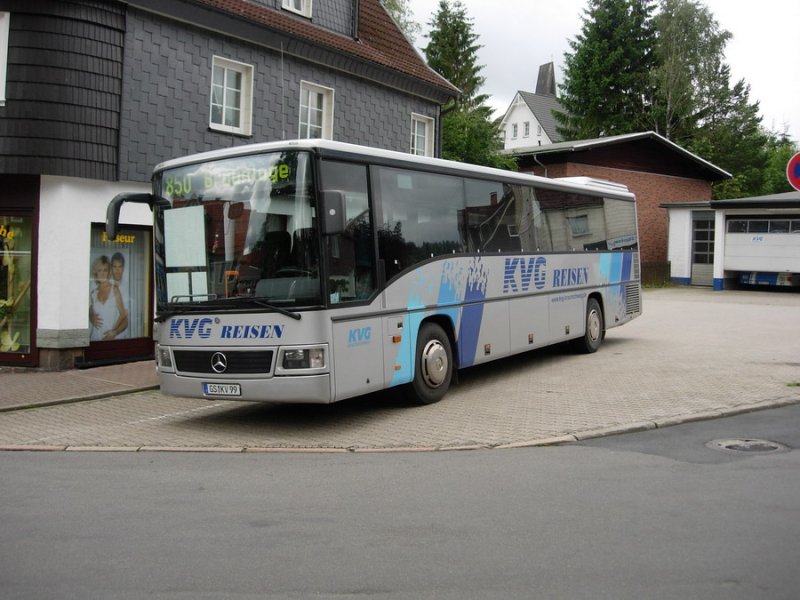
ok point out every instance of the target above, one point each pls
(68, 207)
(518, 113)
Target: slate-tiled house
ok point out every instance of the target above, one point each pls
(94, 93)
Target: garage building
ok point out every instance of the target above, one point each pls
(730, 243)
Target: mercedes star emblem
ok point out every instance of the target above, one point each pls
(219, 363)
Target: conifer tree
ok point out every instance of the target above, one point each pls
(468, 132)
(607, 88)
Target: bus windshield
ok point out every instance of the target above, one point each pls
(238, 230)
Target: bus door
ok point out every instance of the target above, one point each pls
(358, 357)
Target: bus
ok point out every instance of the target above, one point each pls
(313, 271)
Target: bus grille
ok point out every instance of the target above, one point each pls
(633, 299)
(239, 362)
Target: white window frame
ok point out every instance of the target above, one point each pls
(427, 123)
(514, 131)
(305, 125)
(5, 18)
(301, 7)
(245, 106)
(526, 129)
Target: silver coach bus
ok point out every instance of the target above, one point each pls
(314, 271)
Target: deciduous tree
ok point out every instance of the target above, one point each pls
(402, 15)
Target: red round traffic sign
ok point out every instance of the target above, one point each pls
(793, 171)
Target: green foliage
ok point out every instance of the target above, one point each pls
(471, 136)
(630, 71)
(780, 148)
(689, 71)
(732, 138)
(469, 133)
(607, 75)
(453, 53)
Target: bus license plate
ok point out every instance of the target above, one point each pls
(222, 389)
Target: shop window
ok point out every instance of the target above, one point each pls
(16, 244)
(119, 285)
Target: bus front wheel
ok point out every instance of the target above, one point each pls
(595, 328)
(433, 365)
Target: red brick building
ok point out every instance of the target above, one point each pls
(655, 169)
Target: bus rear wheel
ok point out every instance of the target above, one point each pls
(595, 328)
(433, 365)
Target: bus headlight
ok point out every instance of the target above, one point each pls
(164, 358)
(310, 358)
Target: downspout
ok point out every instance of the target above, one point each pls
(538, 162)
(355, 19)
(437, 151)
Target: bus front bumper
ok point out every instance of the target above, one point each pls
(311, 389)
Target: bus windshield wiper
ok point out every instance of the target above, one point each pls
(257, 301)
(176, 308)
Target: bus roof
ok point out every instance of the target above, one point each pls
(342, 150)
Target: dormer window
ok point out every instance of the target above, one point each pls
(301, 7)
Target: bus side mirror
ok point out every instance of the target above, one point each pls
(112, 213)
(333, 213)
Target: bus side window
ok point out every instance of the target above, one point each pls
(421, 215)
(490, 222)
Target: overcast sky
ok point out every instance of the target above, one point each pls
(519, 35)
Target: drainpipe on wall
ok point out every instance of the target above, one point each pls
(538, 162)
(355, 19)
(437, 151)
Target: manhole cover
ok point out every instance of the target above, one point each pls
(736, 446)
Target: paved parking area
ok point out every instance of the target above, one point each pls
(693, 354)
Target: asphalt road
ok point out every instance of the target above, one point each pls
(656, 514)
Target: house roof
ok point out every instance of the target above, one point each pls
(542, 107)
(380, 50)
(654, 143)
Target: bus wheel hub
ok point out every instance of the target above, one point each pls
(434, 363)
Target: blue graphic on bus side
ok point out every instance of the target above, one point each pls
(472, 314)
